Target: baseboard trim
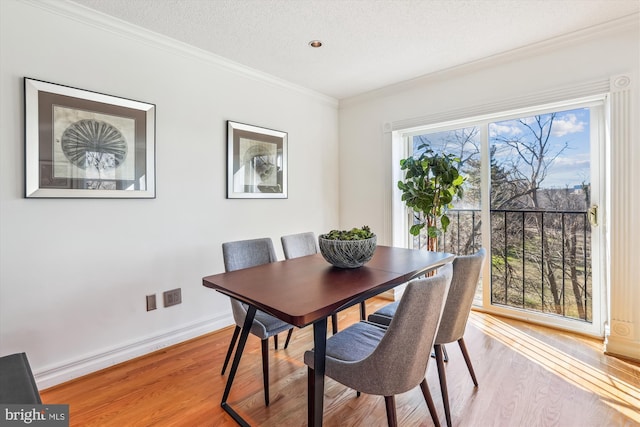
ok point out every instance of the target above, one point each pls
(623, 348)
(56, 375)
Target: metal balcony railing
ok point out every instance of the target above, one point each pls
(463, 236)
(540, 260)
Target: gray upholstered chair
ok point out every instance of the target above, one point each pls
(17, 384)
(245, 254)
(388, 361)
(303, 244)
(466, 273)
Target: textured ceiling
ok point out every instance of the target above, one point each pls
(368, 44)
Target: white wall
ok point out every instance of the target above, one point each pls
(74, 273)
(581, 58)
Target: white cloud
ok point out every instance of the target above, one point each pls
(577, 162)
(567, 124)
(503, 130)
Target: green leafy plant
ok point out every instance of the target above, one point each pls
(353, 234)
(431, 182)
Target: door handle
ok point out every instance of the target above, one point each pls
(593, 215)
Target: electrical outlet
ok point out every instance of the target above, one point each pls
(172, 297)
(151, 302)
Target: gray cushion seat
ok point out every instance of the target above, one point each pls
(384, 315)
(388, 361)
(352, 344)
(265, 325)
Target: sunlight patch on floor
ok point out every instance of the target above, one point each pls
(613, 391)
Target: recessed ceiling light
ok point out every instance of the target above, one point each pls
(315, 43)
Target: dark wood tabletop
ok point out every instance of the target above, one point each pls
(303, 290)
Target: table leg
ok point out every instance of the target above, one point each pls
(363, 311)
(248, 321)
(334, 323)
(316, 381)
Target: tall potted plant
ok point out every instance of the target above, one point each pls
(432, 181)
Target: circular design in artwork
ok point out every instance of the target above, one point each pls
(94, 144)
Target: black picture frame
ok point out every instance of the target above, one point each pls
(256, 162)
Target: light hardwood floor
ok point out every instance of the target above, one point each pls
(528, 376)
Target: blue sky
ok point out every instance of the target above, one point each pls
(570, 168)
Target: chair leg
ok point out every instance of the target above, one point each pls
(429, 400)
(286, 342)
(334, 323)
(265, 370)
(363, 311)
(465, 353)
(390, 403)
(443, 382)
(444, 350)
(232, 344)
(275, 340)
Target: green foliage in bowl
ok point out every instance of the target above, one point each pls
(353, 234)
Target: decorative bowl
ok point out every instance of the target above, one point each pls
(347, 253)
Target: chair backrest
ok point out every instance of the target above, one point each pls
(244, 254)
(297, 245)
(17, 384)
(248, 253)
(466, 273)
(400, 359)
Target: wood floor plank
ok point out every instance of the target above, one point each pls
(528, 376)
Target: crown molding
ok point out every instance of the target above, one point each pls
(104, 22)
(583, 91)
(626, 23)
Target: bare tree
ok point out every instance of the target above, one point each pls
(576, 243)
(525, 168)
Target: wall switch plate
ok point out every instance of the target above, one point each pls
(172, 297)
(151, 302)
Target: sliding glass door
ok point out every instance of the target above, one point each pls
(532, 199)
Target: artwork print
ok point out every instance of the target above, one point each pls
(93, 146)
(257, 162)
(81, 144)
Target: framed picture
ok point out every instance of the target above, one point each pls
(256, 162)
(83, 144)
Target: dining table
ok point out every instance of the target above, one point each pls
(306, 290)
